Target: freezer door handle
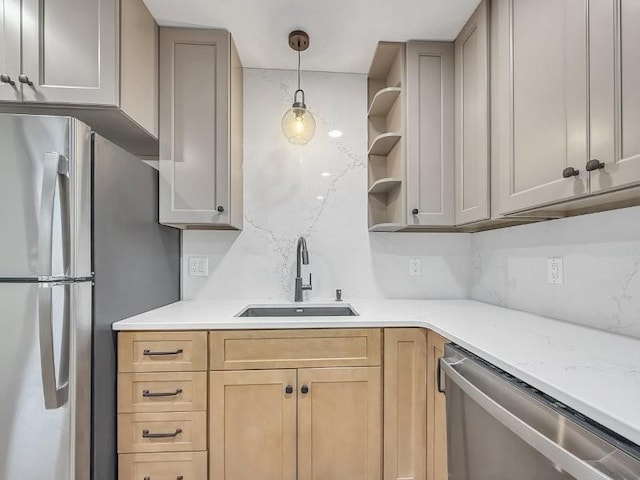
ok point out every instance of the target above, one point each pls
(56, 390)
(56, 175)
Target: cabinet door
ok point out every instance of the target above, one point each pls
(10, 49)
(339, 423)
(539, 101)
(405, 404)
(437, 415)
(430, 74)
(472, 119)
(614, 29)
(252, 425)
(70, 51)
(194, 116)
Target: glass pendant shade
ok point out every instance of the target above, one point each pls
(298, 124)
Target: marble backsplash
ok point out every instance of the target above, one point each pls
(317, 191)
(601, 263)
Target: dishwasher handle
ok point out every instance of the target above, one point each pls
(547, 447)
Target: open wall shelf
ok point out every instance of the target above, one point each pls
(383, 100)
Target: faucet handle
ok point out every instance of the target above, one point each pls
(309, 286)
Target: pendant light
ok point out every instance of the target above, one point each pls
(298, 124)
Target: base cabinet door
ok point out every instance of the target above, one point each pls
(437, 415)
(252, 425)
(405, 404)
(339, 423)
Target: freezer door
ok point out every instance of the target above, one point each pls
(45, 199)
(45, 353)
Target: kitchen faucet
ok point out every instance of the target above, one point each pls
(302, 256)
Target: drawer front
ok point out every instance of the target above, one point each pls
(162, 392)
(264, 349)
(163, 466)
(162, 432)
(162, 351)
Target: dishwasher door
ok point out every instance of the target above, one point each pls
(499, 428)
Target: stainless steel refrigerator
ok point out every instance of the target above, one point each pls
(71, 204)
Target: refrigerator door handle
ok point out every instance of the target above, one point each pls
(55, 394)
(56, 174)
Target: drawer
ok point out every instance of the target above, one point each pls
(163, 466)
(162, 351)
(162, 432)
(162, 392)
(264, 349)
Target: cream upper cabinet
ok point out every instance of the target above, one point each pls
(472, 119)
(614, 32)
(200, 129)
(96, 60)
(10, 50)
(539, 88)
(70, 51)
(430, 133)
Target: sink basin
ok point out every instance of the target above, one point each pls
(301, 311)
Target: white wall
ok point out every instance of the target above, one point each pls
(601, 259)
(506, 267)
(282, 183)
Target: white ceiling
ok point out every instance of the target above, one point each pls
(343, 32)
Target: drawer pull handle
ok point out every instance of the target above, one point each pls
(147, 393)
(149, 353)
(179, 477)
(146, 434)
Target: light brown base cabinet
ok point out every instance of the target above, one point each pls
(306, 404)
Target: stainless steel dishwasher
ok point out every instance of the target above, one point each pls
(499, 428)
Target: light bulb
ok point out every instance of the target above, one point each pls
(298, 125)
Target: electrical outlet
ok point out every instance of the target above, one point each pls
(555, 275)
(415, 267)
(198, 267)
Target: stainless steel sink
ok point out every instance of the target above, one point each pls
(301, 311)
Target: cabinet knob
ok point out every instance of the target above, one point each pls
(570, 172)
(288, 389)
(6, 79)
(594, 164)
(304, 389)
(24, 79)
(415, 211)
(220, 208)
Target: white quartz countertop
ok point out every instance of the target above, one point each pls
(594, 372)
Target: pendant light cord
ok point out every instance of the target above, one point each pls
(298, 65)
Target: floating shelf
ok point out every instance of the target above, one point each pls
(385, 184)
(386, 227)
(383, 144)
(383, 101)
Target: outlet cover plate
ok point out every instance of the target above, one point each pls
(415, 267)
(198, 267)
(555, 274)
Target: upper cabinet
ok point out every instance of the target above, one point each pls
(472, 120)
(614, 33)
(429, 134)
(540, 101)
(410, 118)
(200, 129)
(95, 60)
(9, 50)
(566, 104)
